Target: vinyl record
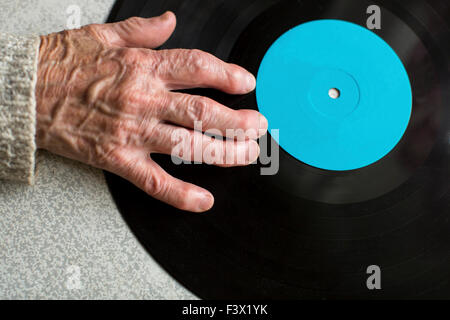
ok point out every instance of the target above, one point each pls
(314, 230)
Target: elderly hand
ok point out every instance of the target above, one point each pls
(104, 97)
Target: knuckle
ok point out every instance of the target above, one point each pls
(133, 100)
(197, 109)
(235, 80)
(150, 134)
(130, 96)
(99, 33)
(245, 122)
(129, 55)
(129, 25)
(134, 56)
(138, 61)
(181, 132)
(179, 135)
(92, 28)
(198, 61)
(164, 105)
(104, 156)
(154, 185)
(95, 31)
(196, 142)
(116, 158)
(133, 21)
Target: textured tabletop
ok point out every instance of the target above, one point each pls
(63, 238)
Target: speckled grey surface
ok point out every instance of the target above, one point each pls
(64, 238)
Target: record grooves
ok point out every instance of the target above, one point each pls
(308, 232)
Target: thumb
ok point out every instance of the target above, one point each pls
(138, 32)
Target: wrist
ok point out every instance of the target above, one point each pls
(51, 54)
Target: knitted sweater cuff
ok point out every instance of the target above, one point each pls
(18, 73)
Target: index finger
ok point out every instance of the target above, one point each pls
(185, 69)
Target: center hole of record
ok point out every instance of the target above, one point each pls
(334, 93)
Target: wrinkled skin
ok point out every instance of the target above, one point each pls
(105, 98)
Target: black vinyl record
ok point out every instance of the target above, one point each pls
(307, 232)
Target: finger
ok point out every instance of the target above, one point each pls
(138, 32)
(191, 111)
(151, 178)
(194, 146)
(184, 69)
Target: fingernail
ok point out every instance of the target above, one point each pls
(251, 82)
(263, 123)
(166, 15)
(206, 202)
(253, 151)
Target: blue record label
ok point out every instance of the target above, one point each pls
(338, 93)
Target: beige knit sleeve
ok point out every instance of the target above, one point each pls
(18, 70)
